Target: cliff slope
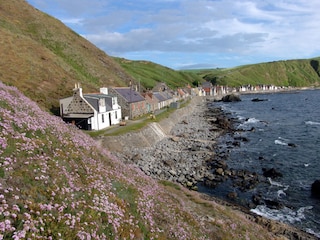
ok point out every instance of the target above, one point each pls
(44, 59)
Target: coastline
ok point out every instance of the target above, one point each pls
(178, 148)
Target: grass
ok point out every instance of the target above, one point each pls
(148, 74)
(296, 73)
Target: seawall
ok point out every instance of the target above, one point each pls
(150, 134)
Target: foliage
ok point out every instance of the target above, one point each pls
(295, 73)
(148, 74)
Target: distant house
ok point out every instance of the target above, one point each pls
(160, 87)
(94, 111)
(207, 88)
(151, 102)
(162, 101)
(132, 102)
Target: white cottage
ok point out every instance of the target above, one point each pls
(94, 111)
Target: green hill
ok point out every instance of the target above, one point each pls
(149, 74)
(296, 73)
(44, 58)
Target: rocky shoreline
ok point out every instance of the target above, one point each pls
(186, 153)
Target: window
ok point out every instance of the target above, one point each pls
(116, 114)
(102, 115)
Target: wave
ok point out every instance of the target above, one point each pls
(312, 123)
(285, 214)
(279, 142)
(274, 183)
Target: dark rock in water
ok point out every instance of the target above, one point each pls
(257, 199)
(271, 173)
(223, 122)
(258, 100)
(315, 188)
(292, 145)
(273, 204)
(241, 138)
(231, 98)
(232, 195)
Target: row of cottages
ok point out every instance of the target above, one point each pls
(132, 103)
(97, 111)
(90, 111)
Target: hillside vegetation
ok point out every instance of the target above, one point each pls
(148, 74)
(56, 183)
(44, 59)
(296, 73)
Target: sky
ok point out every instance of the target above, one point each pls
(190, 34)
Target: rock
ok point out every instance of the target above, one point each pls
(175, 139)
(258, 100)
(232, 195)
(292, 145)
(271, 173)
(135, 158)
(173, 172)
(223, 122)
(189, 184)
(273, 204)
(231, 98)
(315, 188)
(220, 171)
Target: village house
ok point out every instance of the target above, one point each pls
(151, 101)
(207, 88)
(94, 111)
(132, 102)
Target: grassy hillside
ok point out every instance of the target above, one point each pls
(56, 183)
(149, 74)
(44, 59)
(297, 73)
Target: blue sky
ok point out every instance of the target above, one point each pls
(194, 33)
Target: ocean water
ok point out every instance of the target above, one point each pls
(279, 122)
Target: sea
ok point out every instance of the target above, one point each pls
(286, 137)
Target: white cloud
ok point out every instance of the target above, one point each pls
(249, 30)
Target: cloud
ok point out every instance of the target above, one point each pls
(248, 30)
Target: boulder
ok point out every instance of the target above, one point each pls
(231, 98)
(232, 195)
(315, 188)
(258, 100)
(271, 173)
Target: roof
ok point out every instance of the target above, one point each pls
(159, 96)
(77, 115)
(129, 94)
(93, 100)
(206, 85)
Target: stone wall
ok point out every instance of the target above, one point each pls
(150, 134)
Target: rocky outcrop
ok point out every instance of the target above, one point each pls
(315, 188)
(231, 98)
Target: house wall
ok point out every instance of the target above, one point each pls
(131, 110)
(105, 119)
(64, 103)
(138, 109)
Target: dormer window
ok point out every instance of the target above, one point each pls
(102, 102)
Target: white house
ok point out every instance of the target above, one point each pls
(94, 111)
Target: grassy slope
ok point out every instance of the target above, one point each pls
(56, 182)
(298, 73)
(44, 58)
(149, 74)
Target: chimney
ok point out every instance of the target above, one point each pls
(104, 90)
(77, 89)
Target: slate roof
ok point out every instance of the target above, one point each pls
(159, 96)
(129, 94)
(93, 100)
